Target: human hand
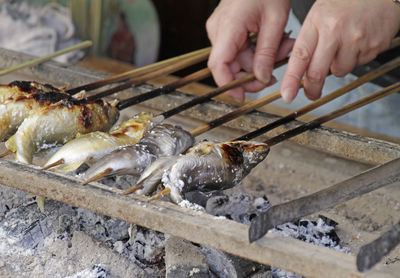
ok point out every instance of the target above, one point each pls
(228, 28)
(336, 36)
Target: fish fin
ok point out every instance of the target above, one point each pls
(40, 203)
(114, 103)
(153, 173)
(70, 167)
(81, 95)
(10, 144)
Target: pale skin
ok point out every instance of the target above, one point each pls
(336, 36)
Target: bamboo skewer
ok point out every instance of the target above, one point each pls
(332, 115)
(341, 91)
(236, 113)
(194, 57)
(143, 78)
(235, 83)
(194, 77)
(39, 60)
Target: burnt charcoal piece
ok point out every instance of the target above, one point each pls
(200, 198)
(237, 208)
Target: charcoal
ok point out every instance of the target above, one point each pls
(96, 271)
(225, 265)
(200, 198)
(232, 207)
(148, 246)
(183, 259)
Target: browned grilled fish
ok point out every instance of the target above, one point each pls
(207, 166)
(59, 123)
(18, 98)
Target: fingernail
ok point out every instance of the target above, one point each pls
(287, 95)
(236, 96)
(264, 75)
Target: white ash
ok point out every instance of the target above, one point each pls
(26, 232)
(316, 232)
(240, 208)
(189, 205)
(97, 271)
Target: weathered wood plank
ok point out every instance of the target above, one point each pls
(195, 226)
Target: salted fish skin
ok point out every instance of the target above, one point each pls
(161, 140)
(212, 166)
(94, 145)
(20, 97)
(60, 123)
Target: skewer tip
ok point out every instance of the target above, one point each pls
(7, 152)
(98, 176)
(162, 193)
(132, 189)
(58, 162)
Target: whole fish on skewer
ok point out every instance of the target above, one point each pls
(59, 123)
(207, 166)
(18, 98)
(94, 145)
(162, 140)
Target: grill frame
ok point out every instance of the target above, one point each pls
(229, 236)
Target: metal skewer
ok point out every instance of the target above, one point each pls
(371, 253)
(363, 183)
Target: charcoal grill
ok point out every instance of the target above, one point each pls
(349, 153)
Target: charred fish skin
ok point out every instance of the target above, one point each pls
(212, 166)
(94, 145)
(161, 140)
(20, 97)
(60, 122)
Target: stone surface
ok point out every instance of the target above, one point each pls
(183, 259)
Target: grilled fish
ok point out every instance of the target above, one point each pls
(59, 123)
(20, 97)
(161, 140)
(207, 166)
(94, 145)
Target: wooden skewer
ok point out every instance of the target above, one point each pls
(194, 57)
(98, 176)
(236, 113)
(395, 43)
(337, 113)
(216, 92)
(341, 91)
(5, 153)
(56, 163)
(132, 189)
(39, 60)
(196, 76)
(163, 71)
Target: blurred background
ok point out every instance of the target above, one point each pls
(138, 32)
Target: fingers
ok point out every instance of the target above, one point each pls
(227, 40)
(318, 68)
(299, 61)
(268, 42)
(345, 60)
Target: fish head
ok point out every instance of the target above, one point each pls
(112, 113)
(253, 152)
(134, 126)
